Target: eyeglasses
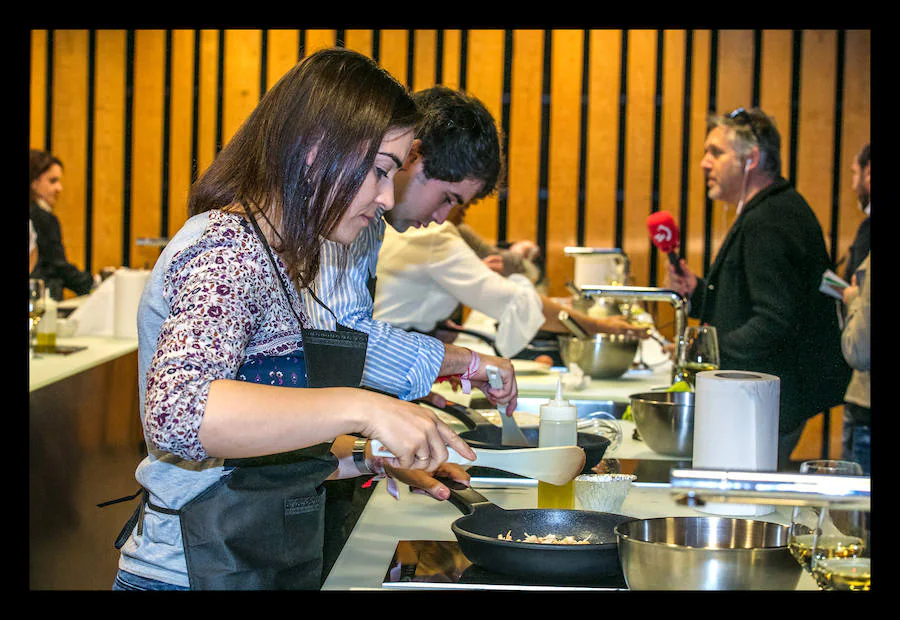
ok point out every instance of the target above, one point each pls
(742, 117)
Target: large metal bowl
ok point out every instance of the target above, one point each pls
(706, 553)
(665, 421)
(604, 356)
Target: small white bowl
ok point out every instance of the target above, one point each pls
(602, 492)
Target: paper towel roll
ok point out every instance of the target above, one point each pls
(736, 428)
(94, 317)
(129, 285)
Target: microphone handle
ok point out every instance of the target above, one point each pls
(673, 258)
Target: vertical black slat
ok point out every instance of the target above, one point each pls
(583, 137)
(544, 170)
(220, 88)
(376, 44)
(686, 166)
(439, 57)
(301, 45)
(713, 96)
(263, 63)
(89, 153)
(410, 58)
(757, 67)
(463, 57)
(195, 110)
(503, 191)
(340, 38)
(129, 125)
(620, 155)
(796, 62)
(48, 96)
(657, 143)
(166, 138)
(838, 134)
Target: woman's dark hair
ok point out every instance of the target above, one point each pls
(336, 103)
(40, 162)
(459, 138)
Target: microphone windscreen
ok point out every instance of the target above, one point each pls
(663, 231)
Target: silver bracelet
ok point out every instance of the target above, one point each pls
(359, 456)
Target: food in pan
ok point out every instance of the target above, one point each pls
(549, 539)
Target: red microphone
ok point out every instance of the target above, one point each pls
(664, 234)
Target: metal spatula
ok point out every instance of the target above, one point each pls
(512, 435)
(556, 465)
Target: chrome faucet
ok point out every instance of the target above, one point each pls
(646, 293)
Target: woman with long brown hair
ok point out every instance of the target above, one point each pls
(232, 487)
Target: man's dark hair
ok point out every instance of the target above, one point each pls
(459, 138)
(864, 157)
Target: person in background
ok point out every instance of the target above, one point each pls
(859, 249)
(455, 158)
(52, 266)
(518, 258)
(424, 273)
(240, 441)
(762, 291)
(32, 246)
(856, 346)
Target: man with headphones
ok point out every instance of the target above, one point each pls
(762, 291)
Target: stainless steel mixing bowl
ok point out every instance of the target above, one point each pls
(604, 356)
(665, 421)
(706, 553)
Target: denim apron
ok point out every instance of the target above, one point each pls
(262, 524)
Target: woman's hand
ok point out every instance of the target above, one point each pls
(425, 483)
(414, 434)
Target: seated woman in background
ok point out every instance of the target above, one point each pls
(52, 266)
(424, 273)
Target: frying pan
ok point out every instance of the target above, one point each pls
(483, 521)
(482, 433)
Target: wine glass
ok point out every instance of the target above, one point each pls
(35, 307)
(805, 519)
(698, 351)
(841, 557)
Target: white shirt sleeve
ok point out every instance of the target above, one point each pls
(421, 269)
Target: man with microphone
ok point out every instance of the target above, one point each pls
(762, 291)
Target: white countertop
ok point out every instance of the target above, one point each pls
(45, 369)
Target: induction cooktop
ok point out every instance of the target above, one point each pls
(440, 564)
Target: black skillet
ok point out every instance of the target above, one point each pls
(477, 533)
(482, 433)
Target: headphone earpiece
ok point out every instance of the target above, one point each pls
(747, 166)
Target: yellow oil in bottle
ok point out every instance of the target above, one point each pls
(553, 496)
(45, 342)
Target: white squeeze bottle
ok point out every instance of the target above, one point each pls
(557, 428)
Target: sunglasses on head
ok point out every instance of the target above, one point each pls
(742, 117)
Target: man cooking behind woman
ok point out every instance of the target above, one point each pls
(232, 484)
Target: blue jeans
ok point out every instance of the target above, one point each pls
(132, 582)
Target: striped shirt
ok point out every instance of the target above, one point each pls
(397, 361)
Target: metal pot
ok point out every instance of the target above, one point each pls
(665, 421)
(706, 553)
(604, 356)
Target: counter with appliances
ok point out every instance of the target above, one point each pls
(367, 557)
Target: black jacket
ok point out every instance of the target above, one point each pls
(52, 266)
(762, 296)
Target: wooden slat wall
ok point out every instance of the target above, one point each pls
(587, 163)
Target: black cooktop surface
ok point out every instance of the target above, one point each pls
(431, 564)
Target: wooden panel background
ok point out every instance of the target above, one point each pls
(587, 162)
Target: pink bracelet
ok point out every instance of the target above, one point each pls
(474, 364)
